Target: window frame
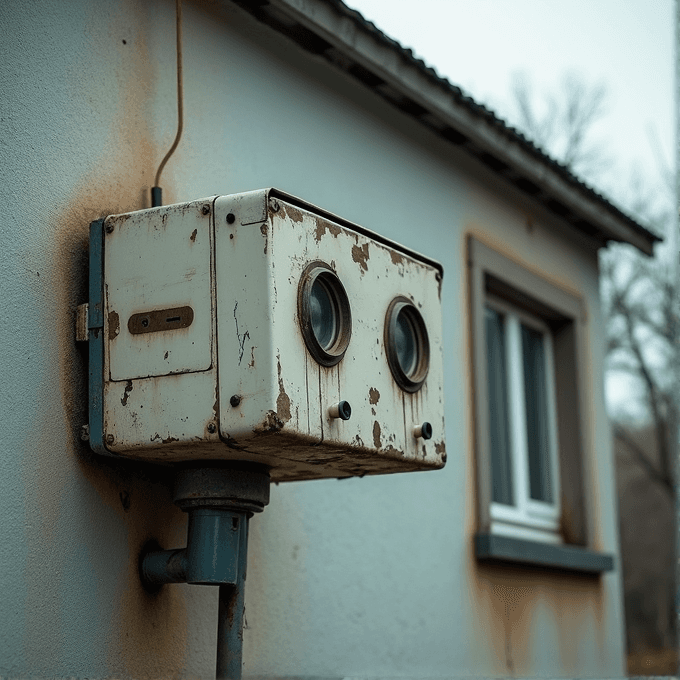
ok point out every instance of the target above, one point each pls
(492, 274)
(528, 518)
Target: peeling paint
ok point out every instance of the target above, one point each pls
(271, 423)
(126, 395)
(193, 235)
(373, 396)
(322, 226)
(293, 213)
(397, 257)
(360, 255)
(376, 435)
(282, 401)
(114, 325)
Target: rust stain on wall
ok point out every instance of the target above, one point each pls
(512, 601)
(512, 605)
(147, 633)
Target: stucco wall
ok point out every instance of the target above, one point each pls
(363, 577)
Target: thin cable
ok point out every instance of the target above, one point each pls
(180, 96)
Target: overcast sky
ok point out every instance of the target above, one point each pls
(625, 44)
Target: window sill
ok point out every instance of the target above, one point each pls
(497, 549)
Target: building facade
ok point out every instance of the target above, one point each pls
(503, 563)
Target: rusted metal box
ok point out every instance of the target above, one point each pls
(258, 327)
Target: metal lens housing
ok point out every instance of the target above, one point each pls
(324, 313)
(407, 344)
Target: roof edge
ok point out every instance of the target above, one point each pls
(341, 35)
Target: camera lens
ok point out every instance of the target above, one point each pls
(324, 313)
(407, 344)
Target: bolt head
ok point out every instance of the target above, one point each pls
(231, 218)
(274, 205)
(235, 400)
(212, 428)
(109, 229)
(205, 209)
(109, 439)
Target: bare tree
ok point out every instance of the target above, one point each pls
(637, 291)
(638, 295)
(562, 122)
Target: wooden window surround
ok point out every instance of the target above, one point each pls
(492, 275)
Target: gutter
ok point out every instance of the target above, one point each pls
(330, 29)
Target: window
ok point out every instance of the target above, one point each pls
(528, 389)
(522, 429)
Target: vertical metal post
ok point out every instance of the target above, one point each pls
(231, 615)
(220, 501)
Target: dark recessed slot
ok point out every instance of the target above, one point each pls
(453, 136)
(161, 320)
(527, 185)
(493, 162)
(557, 207)
(308, 40)
(365, 76)
(409, 107)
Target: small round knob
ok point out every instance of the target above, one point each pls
(424, 431)
(341, 410)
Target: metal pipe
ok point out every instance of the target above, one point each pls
(219, 502)
(231, 616)
(164, 566)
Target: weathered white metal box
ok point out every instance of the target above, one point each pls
(258, 327)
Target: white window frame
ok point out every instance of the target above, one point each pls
(528, 518)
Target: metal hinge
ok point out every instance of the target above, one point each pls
(82, 332)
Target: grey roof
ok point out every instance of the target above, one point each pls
(333, 31)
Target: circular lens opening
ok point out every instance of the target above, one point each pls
(324, 314)
(407, 344)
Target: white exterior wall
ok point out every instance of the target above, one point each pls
(364, 577)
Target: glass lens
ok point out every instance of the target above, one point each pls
(322, 314)
(406, 343)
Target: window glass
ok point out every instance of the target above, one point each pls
(501, 469)
(536, 409)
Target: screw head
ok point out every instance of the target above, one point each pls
(109, 229)
(235, 400)
(211, 428)
(109, 439)
(205, 209)
(231, 218)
